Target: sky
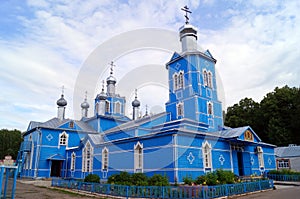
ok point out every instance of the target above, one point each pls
(44, 44)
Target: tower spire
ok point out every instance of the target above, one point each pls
(84, 106)
(111, 81)
(188, 33)
(61, 103)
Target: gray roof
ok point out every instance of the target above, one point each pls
(234, 132)
(55, 123)
(96, 138)
(289, 151)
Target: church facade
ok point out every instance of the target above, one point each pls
(188, 139)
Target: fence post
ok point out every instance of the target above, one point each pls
(259, 184)
(127, 191)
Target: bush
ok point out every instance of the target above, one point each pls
(188, 180)
(284, 172)
(217, 177)
(139, 179)
(158, 180)
(122, 178)
(92, 178)
(225, 177)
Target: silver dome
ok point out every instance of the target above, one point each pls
(62, 101)
(136, 103)
(85, 104)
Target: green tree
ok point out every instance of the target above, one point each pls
(10, 141)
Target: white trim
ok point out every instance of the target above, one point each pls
(63, 141)
(116, 104)
(105, 159)
(73, 161)
(180, 109)
(138, 158)
(207, 155)
(87, 158)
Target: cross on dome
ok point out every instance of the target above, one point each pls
(186, 10)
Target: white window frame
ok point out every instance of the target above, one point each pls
(260, 156)
(118, 106)
(138, 158)
(209, 79)
(207, 155)
(180, 109)
(175, 81)
(87, 158)
(105, 159)
(181, 79)
(205, 78)
(210, 108)
(73, 161)
(63, 141)
(283, 164)
(107, 106)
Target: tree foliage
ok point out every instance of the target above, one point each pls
(10, 141)
(275, 119)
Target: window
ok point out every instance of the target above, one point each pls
(138, 158)
(209, 79)
(71, 124)
(260, 157)
(105, 159)
(180, 109)
(63, 138)
(175, 81)
(118, 107)
(107, 106)
(209, 108)
(73, 160)
(178, 80)
(283, 164)
(206, 152)
(248, 136)
(87, 159)
(205, 78)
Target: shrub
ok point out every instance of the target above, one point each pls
(188, 180)
(92, 178)
(211, 178)
(158, 180)
(200, 180)
(139, 179)
(225, 177)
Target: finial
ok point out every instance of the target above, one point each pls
(62, 90)
(186, 10)
(103, 85)
(146, 110)
(112, 67)
(135, 92)
(85, 97)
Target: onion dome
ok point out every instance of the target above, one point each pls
(85, 104)
(61, 101)
(111, 79)
(136, 102)
(102, 95)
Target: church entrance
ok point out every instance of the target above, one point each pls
(240, 163)
(56, 166)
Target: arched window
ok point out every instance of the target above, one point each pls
(138, 158)
(206, 152)
(107, 106)
(205, 78)
(63, 138)
(209, 108)
(105, 159)
(87, 159)
(180, 109)
(260, 157)
(209, 79)
(117, 107)
(175, 81)
(180, 80)
(73, 160)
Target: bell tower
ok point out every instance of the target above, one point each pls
(192, 82)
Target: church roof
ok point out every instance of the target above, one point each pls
(96, 138)
(288, 151)
(57, 123)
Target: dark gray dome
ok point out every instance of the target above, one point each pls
(136, 103)
(62, 101)
(85, 104)
(101, 96)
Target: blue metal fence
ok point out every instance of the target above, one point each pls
(279, 177)
(178, 192)
(8, 180)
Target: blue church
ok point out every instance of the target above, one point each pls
(188, 139)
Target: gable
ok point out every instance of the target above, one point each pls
(70, 125)
(249, 135)
(175, 56)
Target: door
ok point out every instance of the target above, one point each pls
(240, 163)
(56, 168)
